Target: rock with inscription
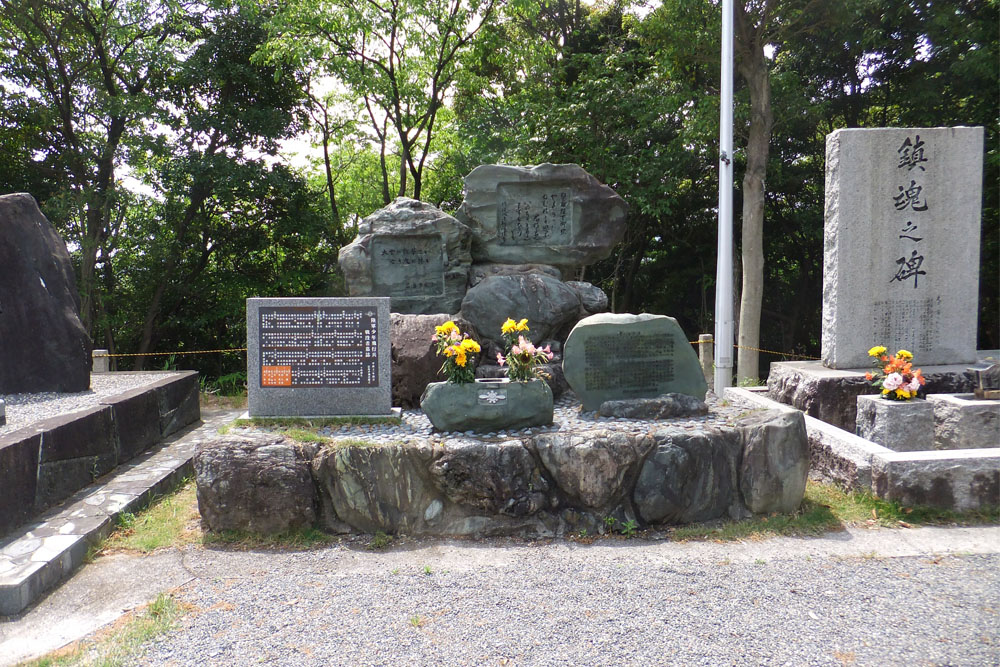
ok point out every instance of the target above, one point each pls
(555, 214)
(486, 406)
(43, 344)
(691, 475)
(492, 477)
(415, 363)
(480, 272)
(621, 356)
(667, 406)
(902, 220)
(257, 482)
(592, 298)
(412, 252)
(547, 303)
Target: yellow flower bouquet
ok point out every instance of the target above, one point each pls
(458, 351)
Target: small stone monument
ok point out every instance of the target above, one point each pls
(620, 356)
(413, 253)
(901, 243)
(314, 357)
(553, 214)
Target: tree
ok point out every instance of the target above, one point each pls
(90, 72)
(399, 58)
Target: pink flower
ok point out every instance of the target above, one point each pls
(500, 359)
(913, 385)
(515, 350)
(548, 352)
(892, 381)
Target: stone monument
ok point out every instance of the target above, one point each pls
(901, 244)
(43, 344)
(554, 214)
(314, 357)
(413, 253)
(623, 356)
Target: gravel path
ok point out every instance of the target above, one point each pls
(504, 602)
(25, 409)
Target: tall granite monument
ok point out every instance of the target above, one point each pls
(43, 344)
(901, 243)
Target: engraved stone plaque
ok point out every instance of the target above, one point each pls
(534, 214)
(407, 266)
(316, 357)
(621, 356)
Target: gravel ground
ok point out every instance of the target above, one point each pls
(567, 415)
(503, 602)
(25, 409)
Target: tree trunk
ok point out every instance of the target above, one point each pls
(753, 67)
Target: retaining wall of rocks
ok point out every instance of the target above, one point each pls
(542, 485)
(46, 462)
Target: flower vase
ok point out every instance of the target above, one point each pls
(487, 405)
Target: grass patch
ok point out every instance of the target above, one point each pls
(123, 642)
(304, 538)
(826, 508)
(212, 401)
(302, 435)
(168, 520)
(314, 422)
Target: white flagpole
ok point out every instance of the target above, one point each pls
(724, 336)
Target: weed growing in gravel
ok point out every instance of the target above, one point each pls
(124, 642)
(428, 570)
(302, 435)
(416, 621)
(380, 541)
(304, 538)
(629, 528)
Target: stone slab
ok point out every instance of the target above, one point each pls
(412, 252)
(486, 406)
(135, 416)
(618, 356)
(84, 433)
(831, 394)
(554, 214)
(18, 476)
(320, 356)
(902, 426)
(962, 421)
(958, 479)
(901, 235)
(177, 400)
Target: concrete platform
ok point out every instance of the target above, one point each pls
(959, 479)
(39, 555)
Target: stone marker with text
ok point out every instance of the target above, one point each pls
(616, 356)
(318, 357)
(901, 244)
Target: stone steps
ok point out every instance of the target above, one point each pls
(36, 557)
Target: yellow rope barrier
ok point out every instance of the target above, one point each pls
(783, 354)
(166, 354)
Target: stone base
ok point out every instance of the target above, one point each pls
(831, 394)
(396, 413)
(959, 480)
(902, 426)
(962, 421)
(537, 486)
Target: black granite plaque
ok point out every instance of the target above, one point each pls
(303, 346)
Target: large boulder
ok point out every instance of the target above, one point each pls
(43, 344)
(546, 302)
(692, 475)
(609, 357)
(554, 214)
(491, 477)
(775, 463)
(592, 467)
(592, 298)
(412, 252)
(667, 406)
(259, 482)
(415, 362)
(480, 272)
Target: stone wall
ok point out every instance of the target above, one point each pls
(548, 484)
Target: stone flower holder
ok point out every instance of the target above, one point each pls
(902, 426)
(487, 405)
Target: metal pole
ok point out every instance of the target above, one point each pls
(724, 262)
